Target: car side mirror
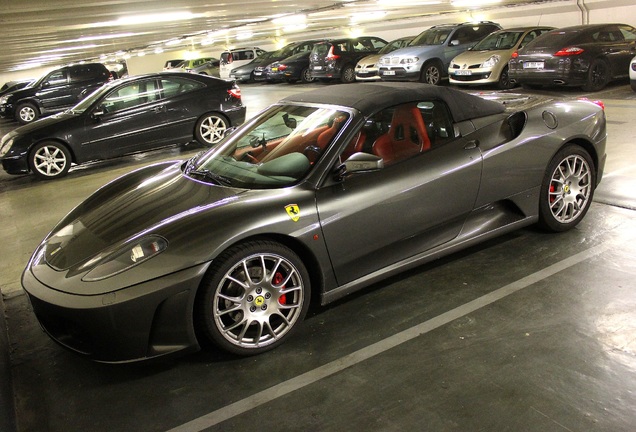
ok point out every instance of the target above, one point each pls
(359, 162)
(454, 42)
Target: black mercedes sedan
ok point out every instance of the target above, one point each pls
(125, 116)
(589, 56)
(291, 69)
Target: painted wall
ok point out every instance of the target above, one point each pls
(557, 14)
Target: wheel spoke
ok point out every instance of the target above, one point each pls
(258, 301)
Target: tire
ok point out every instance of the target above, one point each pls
(567, 189)
(305, 76)
(348, 74)
(504, 82)
(49, 160)
(26, 113)
(431, 73)
(210, 129)
(247, 314)
(598, 76)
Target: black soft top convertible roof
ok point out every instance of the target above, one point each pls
(369, 98)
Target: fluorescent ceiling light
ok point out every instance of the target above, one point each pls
(473, 3)
(244, 35)
(288, 20)
(367, 16)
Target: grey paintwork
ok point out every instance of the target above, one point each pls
(352, 231)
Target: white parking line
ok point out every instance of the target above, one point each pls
(286, 387)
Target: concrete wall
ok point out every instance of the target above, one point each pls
(556, 13)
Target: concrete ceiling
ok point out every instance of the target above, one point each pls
(53, 32)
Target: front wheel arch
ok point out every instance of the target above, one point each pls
(432, 72)
(54, 170)
(253, 297)
(210, 128)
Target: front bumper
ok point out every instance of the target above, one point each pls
(475, 76)
(15, 165)
(7, 110)
(396, 73)
(147, 320)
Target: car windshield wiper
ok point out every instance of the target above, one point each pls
(217, 178)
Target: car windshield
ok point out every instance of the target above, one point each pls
(86, 103)
(275, 150)
(392, 46)
(498, 41)
(433, 36)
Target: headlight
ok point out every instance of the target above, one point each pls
(6, 143)
(409, 60)
(4, 99)
(492, 61)
(110, 264)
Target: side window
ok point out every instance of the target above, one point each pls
(361, 45)
(377, 43)
(83, 73)
(56, 78)
(130, 96)
(438, 120)
(174, 86)
(629, 33)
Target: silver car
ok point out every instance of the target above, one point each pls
(318, 196)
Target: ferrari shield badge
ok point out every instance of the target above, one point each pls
(293, 211)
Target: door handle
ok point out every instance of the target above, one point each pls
(471, 144)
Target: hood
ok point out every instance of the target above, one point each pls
(478, 57)
(370, 60)
(142, 202)
(55, 121)
(416, 51)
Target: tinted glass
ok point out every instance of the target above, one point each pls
(131, 95)
(498, 41)
(433, 36)
(175, 86)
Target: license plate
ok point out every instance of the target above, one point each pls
(389, 72)
(317, 67)
(258, 73)
(463, 72)
(533, 65)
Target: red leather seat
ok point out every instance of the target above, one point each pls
(406, 137)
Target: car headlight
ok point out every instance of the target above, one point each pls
(409, 60)
(6, 143)
(492, 61)
(4, 99)
(109, 264)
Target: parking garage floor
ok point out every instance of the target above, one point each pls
(528, 332)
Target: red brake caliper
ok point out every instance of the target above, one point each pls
(278, 279)
(552, 198)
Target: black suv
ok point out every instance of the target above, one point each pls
(337, 58)
(56, 91)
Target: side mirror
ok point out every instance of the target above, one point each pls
(359, 162)
(454, 42)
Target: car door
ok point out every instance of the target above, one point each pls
(625, 49)
(372, 220)
(55, 92)
(129, 118)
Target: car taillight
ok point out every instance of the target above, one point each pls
(595, 102)
(331, 56)
(569, 51)
(515, 54)
(235, 92)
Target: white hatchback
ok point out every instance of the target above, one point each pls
(234, 58)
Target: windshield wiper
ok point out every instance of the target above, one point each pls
(207, 174)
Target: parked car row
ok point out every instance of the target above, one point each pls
(589, 56)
